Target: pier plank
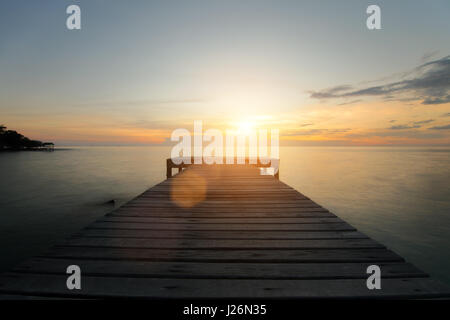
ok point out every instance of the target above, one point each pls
(223, 226)
(374, 255)
(225, 220)
(199, 270)
(221, 244)
(151, 288)
(242, 212)
(227, 234)
(221, 231)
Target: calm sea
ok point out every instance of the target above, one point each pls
(398, 196)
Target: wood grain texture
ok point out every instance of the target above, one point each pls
(150, 288)
(219, 232)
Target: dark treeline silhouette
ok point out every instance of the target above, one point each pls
(12, 140)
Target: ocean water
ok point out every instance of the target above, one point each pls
(400, 196)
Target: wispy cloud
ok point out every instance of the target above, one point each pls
(428, 56)
(402, 127)
(333, 92)
(445, 99)
(446, 127)
(423, 121)
(350, 102)
(315, 132)
(429, 82)
(413, 125)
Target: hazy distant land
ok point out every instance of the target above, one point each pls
(12, 140)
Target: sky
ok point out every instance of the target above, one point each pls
(137, 70)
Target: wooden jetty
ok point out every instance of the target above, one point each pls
(219, 231)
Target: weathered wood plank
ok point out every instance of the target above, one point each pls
(221, 244)
(216, 226)
(218, 214)
(147, 288)
(232, 211)
(261, 256)
(196, 270)
(232, 192)
(228, 220)
(206, 234)
(214, 204)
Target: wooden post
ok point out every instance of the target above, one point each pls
(170, 165)
(169, 168)
(277, 175)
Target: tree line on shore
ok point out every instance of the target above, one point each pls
(12, 140)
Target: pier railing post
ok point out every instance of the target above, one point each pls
(277, 174)
(169, 164)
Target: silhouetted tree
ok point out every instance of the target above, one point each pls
(2, 130)
(10, 139)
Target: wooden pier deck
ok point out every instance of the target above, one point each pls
(221, 231)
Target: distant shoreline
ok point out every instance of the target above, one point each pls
(28, 149)
(11, 140)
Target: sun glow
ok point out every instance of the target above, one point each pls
(245, 127)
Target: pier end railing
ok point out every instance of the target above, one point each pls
(266, 163)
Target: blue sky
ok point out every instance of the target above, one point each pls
(144, 68)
